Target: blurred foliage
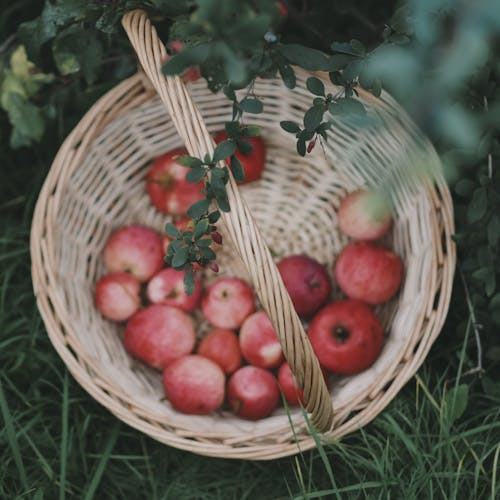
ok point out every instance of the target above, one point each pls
(439, 58)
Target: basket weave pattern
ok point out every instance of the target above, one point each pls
(96, 184)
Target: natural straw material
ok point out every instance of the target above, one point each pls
(96, 184)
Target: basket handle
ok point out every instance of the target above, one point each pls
(239, 223)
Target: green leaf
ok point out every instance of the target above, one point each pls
(34, 34)
(287, 75)
(213, 217)
(455, 402)
(291, 127)
(237, 169)
(251, 131)
(347, 106)
(196, 174)
(172, 231)
(478, 205)
(218, 173)
(305, 57)
(232, 129)
(307, 134)
(188, 161)
(24, 116)
(301, 147)
(196, 210)
(315, 86)
(251, 105)
(338, 61)
(180, 257)
(207, 253)
(236, 69)
(465, 187)
(494, 304)
(205, 242)
(222, 201)
(313, 117)
(189, 281)
(190, 56)
(76, 50)
(353, 48)
(223, 150)
(200, 229)
(244, 147)
(493, 230)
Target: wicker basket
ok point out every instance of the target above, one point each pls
(96, 184)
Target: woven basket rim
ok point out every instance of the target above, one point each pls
(111, 106)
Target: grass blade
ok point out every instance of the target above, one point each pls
(101, 466)
(64, 439)
(12, 438)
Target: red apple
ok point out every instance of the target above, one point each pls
(346, 336)
(223, 347)
(228, 302)
(253, 163)
(307, 283)
(117, 296)
(291, 390)
(368, 272)
(167, 186)
(134, 249)
(194, 384)
(253, 392)
(159, 335)
(167, 287)
(364, 215)
(259, 343)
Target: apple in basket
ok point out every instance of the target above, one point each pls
(134, 249)
(253, 162)
(167, 186)
(223, 347)
(291, 390)
(167, 287)
(118, 296)
(307, 282)
(194, 384)
(293, 393)
(368, 272)
(227, 302)
(159, 334)
(259, 343)
(253, 392)
(346, 336)
(364, 215)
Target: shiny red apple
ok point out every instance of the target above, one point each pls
(346, 336)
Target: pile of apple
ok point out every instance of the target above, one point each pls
(239, 362)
